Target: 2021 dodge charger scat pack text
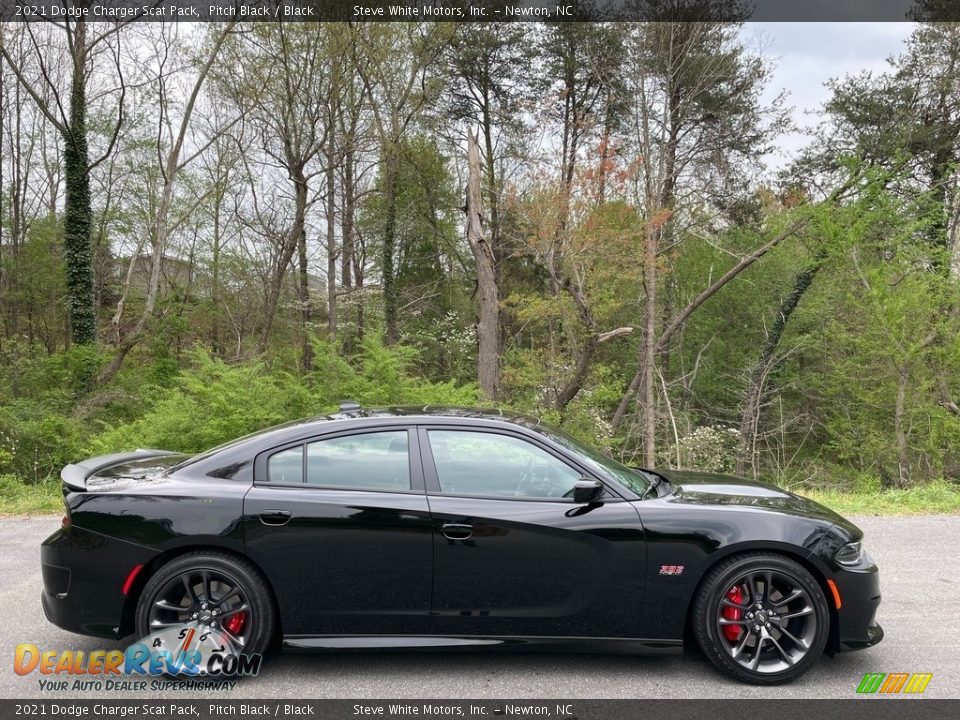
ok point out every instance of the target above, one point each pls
(439, 527)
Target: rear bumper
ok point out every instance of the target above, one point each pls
(859, 589)
(83, 575)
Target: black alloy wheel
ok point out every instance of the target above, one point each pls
(215, 595)
(761, 618)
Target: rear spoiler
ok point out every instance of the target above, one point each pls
(75, 476)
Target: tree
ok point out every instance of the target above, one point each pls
(70, 120)
(397, 65)
(697, 116)
(172, 164)
(488, 328)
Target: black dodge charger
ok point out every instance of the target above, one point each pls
(439, 527)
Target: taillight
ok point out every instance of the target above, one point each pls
(66, 522)
(734, 595)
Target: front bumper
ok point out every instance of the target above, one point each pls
(859, 589)
(83, 574)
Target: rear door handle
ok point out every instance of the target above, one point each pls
(275, 517)
(457, 531)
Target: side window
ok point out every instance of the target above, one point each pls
(286, 466)
(480, 463)
(369, 461)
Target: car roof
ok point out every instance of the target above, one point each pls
(432, 412)
(359, 416)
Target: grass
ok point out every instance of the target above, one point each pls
(20, 498)
(937, 498)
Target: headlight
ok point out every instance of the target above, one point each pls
(849, 554)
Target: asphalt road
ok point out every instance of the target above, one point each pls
(919, 559)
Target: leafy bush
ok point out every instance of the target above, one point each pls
(35, 441)
(212, 402)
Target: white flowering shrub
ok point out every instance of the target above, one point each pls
(710, 448)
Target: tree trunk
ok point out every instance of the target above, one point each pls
(390, 301)
(331, 243)
(346, 232)
(750, 418)
(648, 355)
(900, 432)
(306, 347)
(489, 325)
(288, 247)
(77, 211)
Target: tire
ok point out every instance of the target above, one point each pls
(768, 645)
(228, 585)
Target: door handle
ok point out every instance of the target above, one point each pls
(275, 517)
(457, 531)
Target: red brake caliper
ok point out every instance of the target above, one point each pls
(235, 623)
(736, 595)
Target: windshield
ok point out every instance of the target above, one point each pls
(606, 466)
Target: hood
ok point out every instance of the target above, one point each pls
(121, 470)
(699, 488)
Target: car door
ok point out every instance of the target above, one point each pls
(340, 525)
(513, 556)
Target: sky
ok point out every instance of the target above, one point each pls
(806, 55)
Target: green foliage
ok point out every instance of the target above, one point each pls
(212, 402)
(17, 497)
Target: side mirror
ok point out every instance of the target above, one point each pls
(585, 491)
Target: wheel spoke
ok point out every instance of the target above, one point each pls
(730, 603)
(235, 639)
(789, 599)
(768, 586)
(755, 661)
(795, 640)
(233, 592)
(727, 621)
(743, 644)
(754, 596)
(167, 605)
(783, 653)
(206, 586)
(799, 613)
(189, 588)
(234, 611)
(161, 624)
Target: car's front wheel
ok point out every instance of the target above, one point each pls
(214, 602)
(761, 618)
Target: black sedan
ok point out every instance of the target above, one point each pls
(439, 527)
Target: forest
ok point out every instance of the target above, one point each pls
(209, 229)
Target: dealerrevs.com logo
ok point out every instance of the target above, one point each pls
(894, 683)
(181, 653)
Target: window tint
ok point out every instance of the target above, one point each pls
(478, 463)
(286, 466)
(371, 461)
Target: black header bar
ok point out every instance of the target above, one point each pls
(482, 10)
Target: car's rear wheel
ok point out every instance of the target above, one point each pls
(220, 600)
(761, 618)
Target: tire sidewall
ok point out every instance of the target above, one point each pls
(712, 592)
